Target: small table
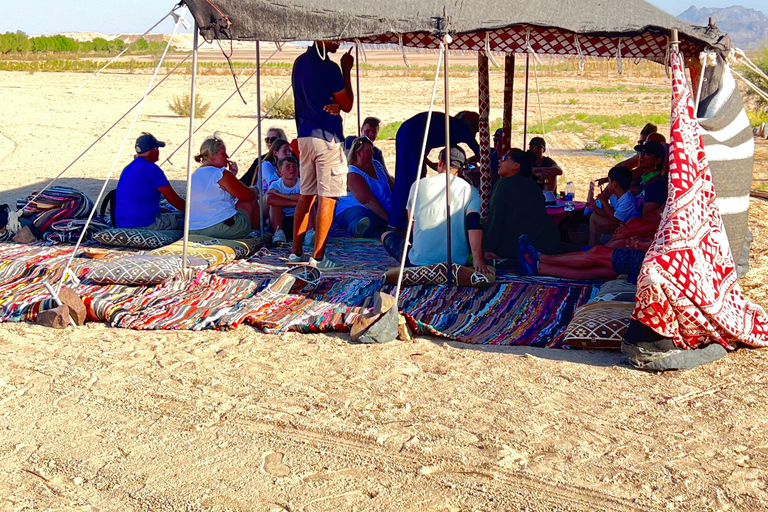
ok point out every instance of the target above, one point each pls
(558, 212)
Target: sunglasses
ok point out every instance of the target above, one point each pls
(270, 140)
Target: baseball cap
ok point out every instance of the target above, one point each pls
(652, 147)
(146, 142)
(458, 157)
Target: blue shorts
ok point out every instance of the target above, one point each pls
(628, 261)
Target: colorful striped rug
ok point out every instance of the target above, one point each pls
(515, 311)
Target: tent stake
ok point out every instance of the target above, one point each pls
(509, 89)
(258, 167)
(447, 164)
(190, 149)
(525, 116)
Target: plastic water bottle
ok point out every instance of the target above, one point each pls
(570, 193)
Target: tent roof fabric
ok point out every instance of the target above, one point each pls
(505, 21)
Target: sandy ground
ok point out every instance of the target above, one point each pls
(103, 419)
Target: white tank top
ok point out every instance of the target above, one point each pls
(209, 204)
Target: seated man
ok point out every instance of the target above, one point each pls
(408, 144)
(647, 130)
(139, 189)
(545, 170)
(282, 198)
(600, 262)
(370, 129)
(614, 205)
(430, 219)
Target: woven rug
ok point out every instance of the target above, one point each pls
(517, 311)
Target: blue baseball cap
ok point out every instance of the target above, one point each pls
(147, 142)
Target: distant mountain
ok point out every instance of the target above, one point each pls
(748, 28)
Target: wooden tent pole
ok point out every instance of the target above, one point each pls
(190, 145)
(357, 75)
(484, 109)
(258, 167)
(509, 89)
(525, 115)
(447, 164)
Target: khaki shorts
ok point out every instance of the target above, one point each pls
(323, 169)
(167, 221)
(240, 228)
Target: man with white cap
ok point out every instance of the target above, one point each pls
(141, 185)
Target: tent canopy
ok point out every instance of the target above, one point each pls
(626, 28)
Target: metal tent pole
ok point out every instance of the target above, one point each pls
(258, 166)
(357, 75)
(447, 164)
(484, 104)
(509, 89)
(190, 144)
(525, 116)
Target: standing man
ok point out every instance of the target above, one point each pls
(320, 91)
(141, 184)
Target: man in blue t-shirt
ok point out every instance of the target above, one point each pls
(320, 92)
(408, 143)
(141, 184)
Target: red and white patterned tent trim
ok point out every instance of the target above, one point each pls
(647, 45)
(687, 289)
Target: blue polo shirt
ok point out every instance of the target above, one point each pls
(138, 197)
(315, 81)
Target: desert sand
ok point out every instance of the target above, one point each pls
(94, 418)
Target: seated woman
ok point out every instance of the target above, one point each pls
(517, 207)
(365, 209)
(219, 205)
(545, 170)
(274, 133)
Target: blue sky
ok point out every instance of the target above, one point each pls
(52, 16)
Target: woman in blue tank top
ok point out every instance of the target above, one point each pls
(365, 209)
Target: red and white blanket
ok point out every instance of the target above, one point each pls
(688, 289)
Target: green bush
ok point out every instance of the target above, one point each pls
(180, 106)
(607, 141)
(761, 61)
(275, 107)
(389, 130)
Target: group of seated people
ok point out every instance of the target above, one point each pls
(519, 231)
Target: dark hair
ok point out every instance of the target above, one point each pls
(274, 148)
(289, 158)
(621, 175)
(648, 129)
(538, 141)
(525, 159)
(372, 121)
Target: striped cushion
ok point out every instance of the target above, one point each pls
(215, 250)
(599, 325)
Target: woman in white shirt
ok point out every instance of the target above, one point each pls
(220, 206)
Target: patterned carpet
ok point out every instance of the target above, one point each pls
(515, 311)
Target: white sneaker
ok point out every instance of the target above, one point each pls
(279, 237)
(304, 259)
(325, 264)
(309, 237)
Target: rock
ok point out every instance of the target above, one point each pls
(58, 317)
(75, 303)
(24, 236)
(403, 330)
(382, 303)
(384, 330)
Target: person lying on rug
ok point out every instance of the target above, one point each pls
(545, 170)
(282, 198)
(517, 207)
(141, 185)
(651, 198)
(365, 209)
(600, 262)
(273, 134)
(430, 219)
(219, 205)
(614, 205)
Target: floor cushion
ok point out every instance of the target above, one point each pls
(437, 274)
(599, 325)
(139, 238)
(136, 269)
